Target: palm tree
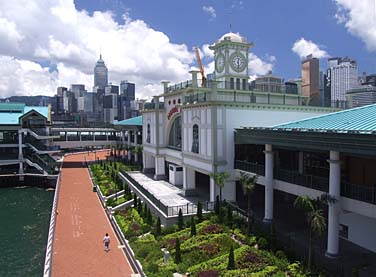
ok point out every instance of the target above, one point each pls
(139, 150)
(248, 182)
(314, 209)
(220, 180)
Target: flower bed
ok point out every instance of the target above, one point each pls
(204, 254)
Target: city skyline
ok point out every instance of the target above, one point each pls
(143, 46)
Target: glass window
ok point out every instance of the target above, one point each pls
(237, 83)
(175, 134)
(195, 143)
(148, 134)
(231, 83)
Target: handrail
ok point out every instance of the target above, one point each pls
(169, 211)
(51, 232)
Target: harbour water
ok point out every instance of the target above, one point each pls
(24, 222)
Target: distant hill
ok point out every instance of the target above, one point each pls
(38, 100)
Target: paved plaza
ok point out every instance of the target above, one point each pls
(81, 225)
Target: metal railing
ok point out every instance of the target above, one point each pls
(359, 192)
(51, 232)
(187, 209)
(259, 169)
(309, 181)
(150, 196)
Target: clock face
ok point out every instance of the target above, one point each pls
(220, 63)
(238, 62)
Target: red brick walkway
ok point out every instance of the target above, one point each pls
(80, 227)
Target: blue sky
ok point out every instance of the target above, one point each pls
(51, 43)
(272, 25)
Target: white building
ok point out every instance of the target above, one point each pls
(343, 76)
(191, 124)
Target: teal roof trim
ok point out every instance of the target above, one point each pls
(134, 121)
(362, 119)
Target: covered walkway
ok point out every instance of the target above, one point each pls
(81, 225)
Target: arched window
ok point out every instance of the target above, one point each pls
(195, 143)
(148, 133)
(175, 134)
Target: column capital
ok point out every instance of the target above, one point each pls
(268, 151)
(333, 161)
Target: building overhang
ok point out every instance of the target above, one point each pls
(345, 142)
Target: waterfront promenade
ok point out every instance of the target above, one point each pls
(81, 225)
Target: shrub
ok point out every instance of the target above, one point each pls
(229, 216)
(262, 243)
(158, 228)
(193, 227)
(211, 229)
(231, 259)
(208, 273)
(180, 220)
(177, 252)
(280, 255)
(217, 206)
(199, 211)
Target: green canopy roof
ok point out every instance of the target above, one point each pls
(362, 120)
(10, 113)
(134, 121)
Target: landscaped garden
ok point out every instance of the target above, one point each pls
(207, 245)
(220, 243)
(105, 175)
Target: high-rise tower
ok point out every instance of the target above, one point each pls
(100, 74)
(310, 80)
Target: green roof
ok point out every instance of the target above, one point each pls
(10, 113)
(362, 119)
(134, 121)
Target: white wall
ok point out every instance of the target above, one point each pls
(361, 229)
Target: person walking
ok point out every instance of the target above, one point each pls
(106, 241)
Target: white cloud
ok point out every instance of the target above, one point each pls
(206, 51)
(359, 18)
(210, 11)
(257, 66)
(303, 48)
(55, 32)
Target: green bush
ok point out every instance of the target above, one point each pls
(231, 259)
(262, 243)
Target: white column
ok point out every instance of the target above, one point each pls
(80, 134)
(334, 209)
(188, 178)
(159, 168)
(129, 145)
(135, 145)
(213, 188)
(66, 136)
(93, 136)
(269, 183)
(20, 154)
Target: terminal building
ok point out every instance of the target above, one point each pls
(25, 140)
(330, 154)
(189, 128)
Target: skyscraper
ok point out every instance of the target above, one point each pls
(127, 95)
(100, 74)
(310, 80)
(343, 76)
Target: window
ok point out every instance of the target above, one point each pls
(231, 83)
(148, 134)
(195, 143)
(244, 84)
(174, 141)
(237, 83)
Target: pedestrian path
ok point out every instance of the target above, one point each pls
(81, 225)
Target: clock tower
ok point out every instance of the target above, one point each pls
(231, 61)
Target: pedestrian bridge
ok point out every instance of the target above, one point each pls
(73, 137)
